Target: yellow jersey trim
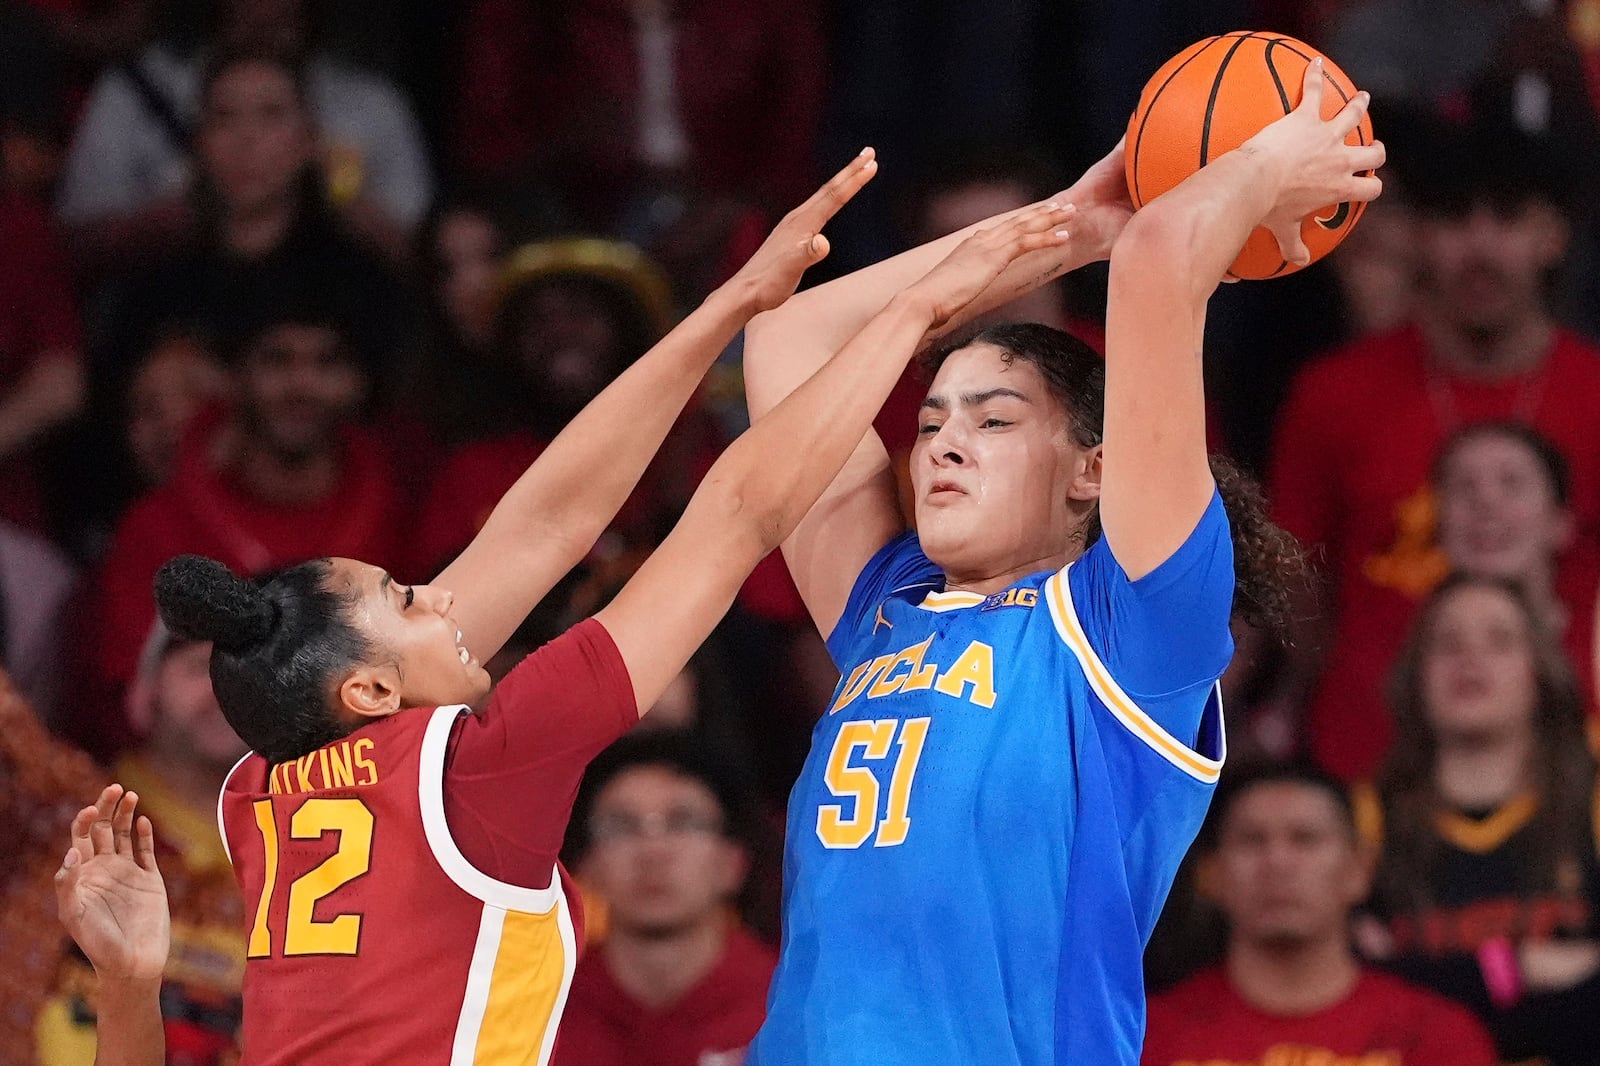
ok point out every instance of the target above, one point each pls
(1132, 717)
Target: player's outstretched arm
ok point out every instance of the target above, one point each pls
(111, 899)
(767, 479)
(859, 512)
(1156, 480)
(548, 521)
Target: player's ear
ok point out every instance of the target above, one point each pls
(1086, 473)
(371, 691)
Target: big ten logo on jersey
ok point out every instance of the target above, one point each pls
(970, 676)
(1011, 597)
(347, 764)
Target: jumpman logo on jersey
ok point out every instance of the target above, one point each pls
(880, 621)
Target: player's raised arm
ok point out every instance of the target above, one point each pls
(759, 489)
(548, 521)
(111, 899)
(858, 513)
(1165, 266)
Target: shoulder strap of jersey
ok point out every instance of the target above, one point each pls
(471, 880)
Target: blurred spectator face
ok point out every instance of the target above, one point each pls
(955, 209)
(658, 854)
(1377, 268)
(297, 385)
(679, 706)
(171, 386)
(178, 707)
(1287, 864)
(256, 138)
(467, 246)
(1478, 670)
(1497, 509)
(568, 342)
(1486, 267)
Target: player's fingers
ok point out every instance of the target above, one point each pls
(826, 201)
(80, 833)
(100, 835)
(1032, 242)
(1312, 88)
(144, 845)
(1039, 219)
(817, 248)
(1364, 189)
(1368, 157)
(122, 823)
(1350, 116)
(1291, 245)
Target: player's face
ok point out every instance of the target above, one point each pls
(1478, 668)
(255, 136)
(297, 387)
(993, 467)
(412, 627)
(1288, 867)
(1485, 269)
(1498, 514)
(658, 855)
(188, 721)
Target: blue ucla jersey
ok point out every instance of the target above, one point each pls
(993, 810)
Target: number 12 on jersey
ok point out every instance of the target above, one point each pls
(859, 785)
(304, 934)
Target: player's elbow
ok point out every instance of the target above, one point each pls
(739, 518)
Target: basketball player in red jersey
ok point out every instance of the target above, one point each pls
(399, 869)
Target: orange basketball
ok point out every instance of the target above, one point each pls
(1212, 97)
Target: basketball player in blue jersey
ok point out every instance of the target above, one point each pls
(1027, 731)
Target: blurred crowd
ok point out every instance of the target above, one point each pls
(290, 278)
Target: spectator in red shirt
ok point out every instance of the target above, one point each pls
(287, 475)
(1287, 868)
(678, 980)
(41, 373)
(571, 316)
(1361, 427)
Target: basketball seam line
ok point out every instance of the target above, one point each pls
(1138, 142)
(1211, 103)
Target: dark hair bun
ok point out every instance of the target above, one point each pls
(200, 599)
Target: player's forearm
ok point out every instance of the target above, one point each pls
(1188, 237)
(769, 478)
(785, 346)
(128, 1027)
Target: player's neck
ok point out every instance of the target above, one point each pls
(1517, 349)
(1293, 981)
(1479, 772)
(657, 971)
(987, 583)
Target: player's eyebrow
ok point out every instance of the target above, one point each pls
(975, 399)
(385, 581)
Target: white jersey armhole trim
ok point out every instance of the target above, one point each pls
(222, 827)
(471, 880)
(1132, 717)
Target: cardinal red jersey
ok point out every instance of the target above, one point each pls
(1382, 1022)
(372, 938)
